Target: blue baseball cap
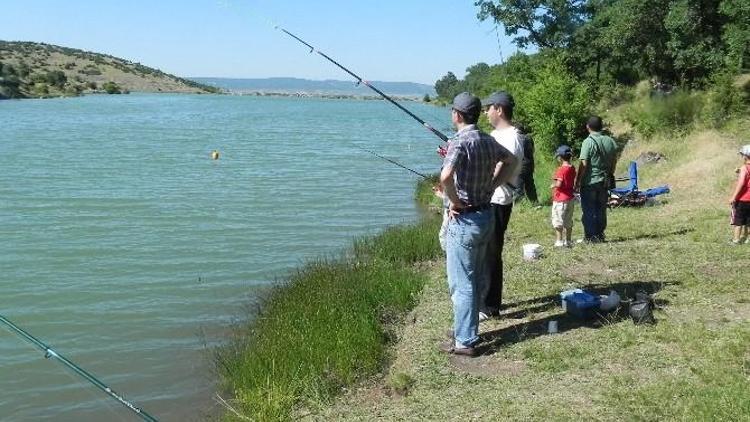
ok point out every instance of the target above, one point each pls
(563, 150)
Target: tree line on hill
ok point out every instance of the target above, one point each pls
(18, 82)
(591, 53)
(28, 72)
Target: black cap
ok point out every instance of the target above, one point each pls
(501, 98)
(467, 104)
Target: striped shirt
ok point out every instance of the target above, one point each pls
(473, 155)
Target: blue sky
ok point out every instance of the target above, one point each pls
(389, 40)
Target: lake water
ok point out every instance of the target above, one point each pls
(125, 248)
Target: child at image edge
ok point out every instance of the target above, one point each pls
(562, 197)
(741, 201)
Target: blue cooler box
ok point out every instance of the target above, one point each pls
(582, 304)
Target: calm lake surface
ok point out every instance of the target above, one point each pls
(125, 248)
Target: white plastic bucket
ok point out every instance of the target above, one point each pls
(532, 251)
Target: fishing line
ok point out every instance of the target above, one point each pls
(392, 161)
(366, 83)
(499, 47)
(49, 353)
(359, 80)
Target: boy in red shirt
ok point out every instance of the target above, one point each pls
(741, 200)
(562, 197)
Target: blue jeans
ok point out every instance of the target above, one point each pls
(594, 206)
(466, 241)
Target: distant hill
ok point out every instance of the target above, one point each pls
(312, 87)
(29, 69)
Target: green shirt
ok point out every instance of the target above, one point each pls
(600, 152)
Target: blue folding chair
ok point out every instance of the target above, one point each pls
(632, 196)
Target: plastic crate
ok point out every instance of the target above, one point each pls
(582, 304)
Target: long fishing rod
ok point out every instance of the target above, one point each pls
(392, 161)
(49, 353)
(369, 85)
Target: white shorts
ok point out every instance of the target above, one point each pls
(562, 214)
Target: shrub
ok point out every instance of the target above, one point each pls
(56, 78)
(616, 95)
(73, 90)
(424, 195)
(556, 107)
(675, 112)
(722, 101)
(91, 71)
(111, 88)
(41, 89)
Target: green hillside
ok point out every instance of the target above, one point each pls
(33, 70)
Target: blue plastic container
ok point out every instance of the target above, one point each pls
(582, 304)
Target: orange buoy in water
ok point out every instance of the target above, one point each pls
(214, 155)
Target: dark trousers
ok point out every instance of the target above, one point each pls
(594, 206)
(526, 185)
(493, 293)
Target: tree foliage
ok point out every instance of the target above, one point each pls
(736, 33)
(682, 42)
(9, 82)
(550, 101)
(544, 23)
(556, 107)
(448, 86)
(111, 88)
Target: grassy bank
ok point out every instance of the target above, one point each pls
(694, 364)
(333, 343)
(328, 326)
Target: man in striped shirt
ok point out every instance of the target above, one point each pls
(474, 166)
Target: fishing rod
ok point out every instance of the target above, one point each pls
(49, 353)
(392, 161)
(368, 84)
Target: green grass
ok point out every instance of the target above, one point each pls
(424, 194)
(323, 346)
(328, 326)
(694, 364)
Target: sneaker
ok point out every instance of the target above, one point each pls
(568, 244)
(559, 243)
(483, 316)
(735, 242)
(579, 241)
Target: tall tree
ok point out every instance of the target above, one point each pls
(694, 28)
(448, 86)
(736, 33)
(543, 23)
(476, 77)
(625, 39)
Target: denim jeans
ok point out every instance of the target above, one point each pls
(466, 241)
(594, 206)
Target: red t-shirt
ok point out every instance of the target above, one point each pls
(745, 193)
(567, 175)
